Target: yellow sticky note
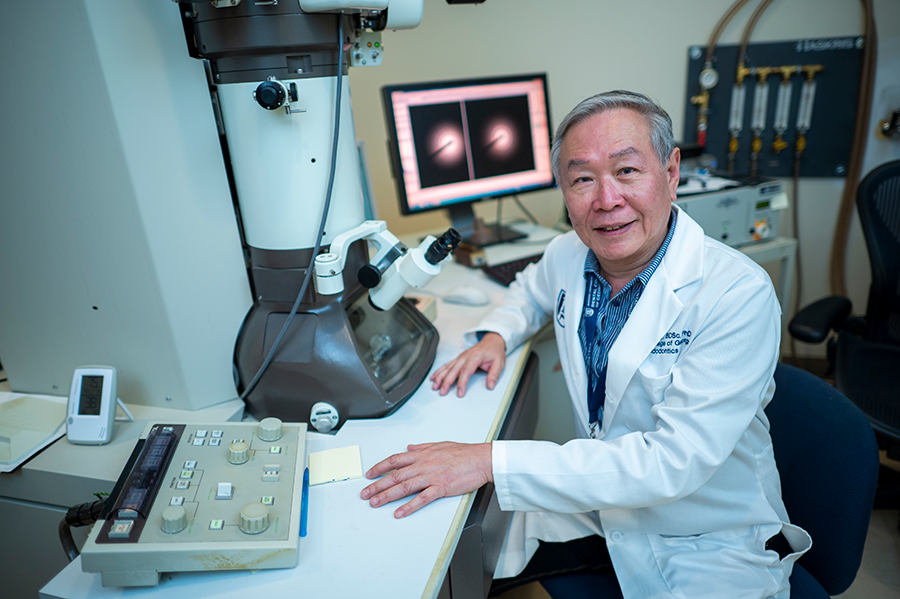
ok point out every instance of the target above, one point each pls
(334, 465)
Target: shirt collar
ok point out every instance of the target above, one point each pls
(592, 265)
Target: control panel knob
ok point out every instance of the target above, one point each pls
(174, 519)
(238, 452)
(269, 429)
(254, 518)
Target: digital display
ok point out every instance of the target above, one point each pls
(462, 141)
(762, 205)
(91, 394)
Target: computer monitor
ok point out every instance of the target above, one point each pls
(453, 143)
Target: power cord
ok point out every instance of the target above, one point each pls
(79, 515)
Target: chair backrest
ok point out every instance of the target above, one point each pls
(828, 460)
(878, 204)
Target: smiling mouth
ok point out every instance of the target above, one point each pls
(613, 228)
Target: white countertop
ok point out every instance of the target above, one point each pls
(352, 549)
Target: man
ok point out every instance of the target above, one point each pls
(668, 342)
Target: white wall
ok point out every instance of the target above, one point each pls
(589, 46)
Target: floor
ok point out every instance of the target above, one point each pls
(878, 577)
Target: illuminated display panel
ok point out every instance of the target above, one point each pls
(91, 395)
(463, 141)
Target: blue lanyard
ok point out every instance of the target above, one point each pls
(596, 388)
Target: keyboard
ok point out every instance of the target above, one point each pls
(506, 272)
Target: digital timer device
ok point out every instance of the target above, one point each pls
(92, 405)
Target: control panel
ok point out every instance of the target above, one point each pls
(224, 496)
(740, 215)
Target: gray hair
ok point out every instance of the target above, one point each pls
(660, 123)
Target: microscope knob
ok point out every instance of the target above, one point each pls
(323, 416)
(270, 95)
(174, 519)
(269, 429)
(238, 452)
(254, 518)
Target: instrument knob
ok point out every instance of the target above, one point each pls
(270, 95)
(238, 452)
(270, 429)
(174, 519)
(254, 518)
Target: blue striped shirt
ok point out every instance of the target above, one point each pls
(611, 314)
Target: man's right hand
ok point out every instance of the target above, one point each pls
(488, 354)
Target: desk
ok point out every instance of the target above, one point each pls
(352, 549)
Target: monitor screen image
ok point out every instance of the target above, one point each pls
(457, 142)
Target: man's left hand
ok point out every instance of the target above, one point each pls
(433, 470)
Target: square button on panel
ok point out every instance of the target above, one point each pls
(177, 500)
(224, 491)
(275, 449)
(183, 484)
(270, 476)
(199, 442)
(201, 434)
(190, 464)
(267, 500)
(217, 434)
(121, 529)
(187, 474)
(216, 524)
(215, 442)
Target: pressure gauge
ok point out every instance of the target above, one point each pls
(709, 77)
(92, 405)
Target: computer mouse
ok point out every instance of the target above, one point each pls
(467, 296)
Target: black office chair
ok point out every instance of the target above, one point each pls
(865, 354)
(828, 461)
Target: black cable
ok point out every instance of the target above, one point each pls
(78, 515)
(68, 543)
(309, 270)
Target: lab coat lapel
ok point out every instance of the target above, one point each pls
(655, 312)
(574, 305)
(652, 317)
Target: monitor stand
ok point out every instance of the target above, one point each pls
(475, 232)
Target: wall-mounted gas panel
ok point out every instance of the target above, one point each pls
(789, 94)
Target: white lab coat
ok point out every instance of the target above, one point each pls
(681, 480)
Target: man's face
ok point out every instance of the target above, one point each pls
(618, 194)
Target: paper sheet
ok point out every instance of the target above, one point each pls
(334, 465)
(27, 425)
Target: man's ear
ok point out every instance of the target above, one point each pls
(673, 167)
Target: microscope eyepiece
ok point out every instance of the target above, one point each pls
(442, 246)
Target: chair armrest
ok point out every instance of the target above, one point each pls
(813, 322)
